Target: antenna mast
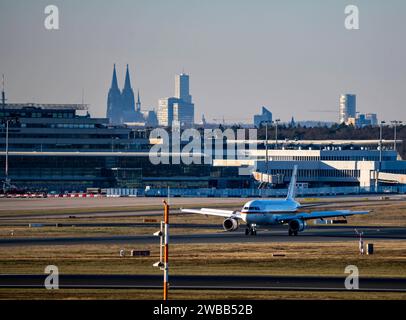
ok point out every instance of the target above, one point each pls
(3, 94)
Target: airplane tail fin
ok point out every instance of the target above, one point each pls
(292, 185)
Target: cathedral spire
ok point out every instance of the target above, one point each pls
(114, 83)
(138, 104)
(127, 97)
(114, 100)
(127, 84)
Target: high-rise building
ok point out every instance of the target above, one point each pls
(178, 110)
(265, 116)
(347, 108)
(372, 117)
(363, 120)
(183, 113)
(182, 88)
(165, 111)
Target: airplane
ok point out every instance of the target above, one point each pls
(273, 212)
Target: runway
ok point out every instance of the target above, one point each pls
(119, 225)
(207, 282)
(114, 207)
(312, 234)
(49, 204)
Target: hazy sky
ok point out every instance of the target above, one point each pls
(295, 57)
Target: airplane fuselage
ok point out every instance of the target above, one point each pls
(266, 212)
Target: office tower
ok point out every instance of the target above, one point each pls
(182, 88)
(165, 111)
(265, 116)
(372, 117)
(347, 107)
(178, 110)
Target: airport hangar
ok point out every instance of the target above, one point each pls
(52, 148)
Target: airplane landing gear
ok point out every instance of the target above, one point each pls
(293, 232)
(251, 230)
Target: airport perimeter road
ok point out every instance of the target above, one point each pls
(218, 282)
(317, 234)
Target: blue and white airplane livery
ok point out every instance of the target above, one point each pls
(265, 213)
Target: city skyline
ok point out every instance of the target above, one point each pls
(240, 56)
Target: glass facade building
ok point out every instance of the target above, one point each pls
(347, 108)
(52, 148)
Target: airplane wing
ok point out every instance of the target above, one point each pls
(215, 212)
(310, 205)
(319, 215)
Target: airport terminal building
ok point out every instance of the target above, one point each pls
(332, 164)
(53, 148)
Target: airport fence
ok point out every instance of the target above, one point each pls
(252, 193)
(221, 193)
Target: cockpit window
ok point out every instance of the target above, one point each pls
(252, 208)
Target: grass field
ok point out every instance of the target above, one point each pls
(253, 258)
(100, 294)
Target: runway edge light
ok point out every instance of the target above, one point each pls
(158, 264)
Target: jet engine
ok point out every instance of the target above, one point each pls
(230, 224)
(297, 225)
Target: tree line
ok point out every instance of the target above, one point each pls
(337, 132)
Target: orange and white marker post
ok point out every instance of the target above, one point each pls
(166, 247)
(163, 262)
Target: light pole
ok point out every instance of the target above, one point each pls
(6, 171)
(395, 123)
(276, 132)
(380, 143)
(380, 156)
(266, 150)
(7, 181)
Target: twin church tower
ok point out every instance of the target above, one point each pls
(172, 111)
(121, 106)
